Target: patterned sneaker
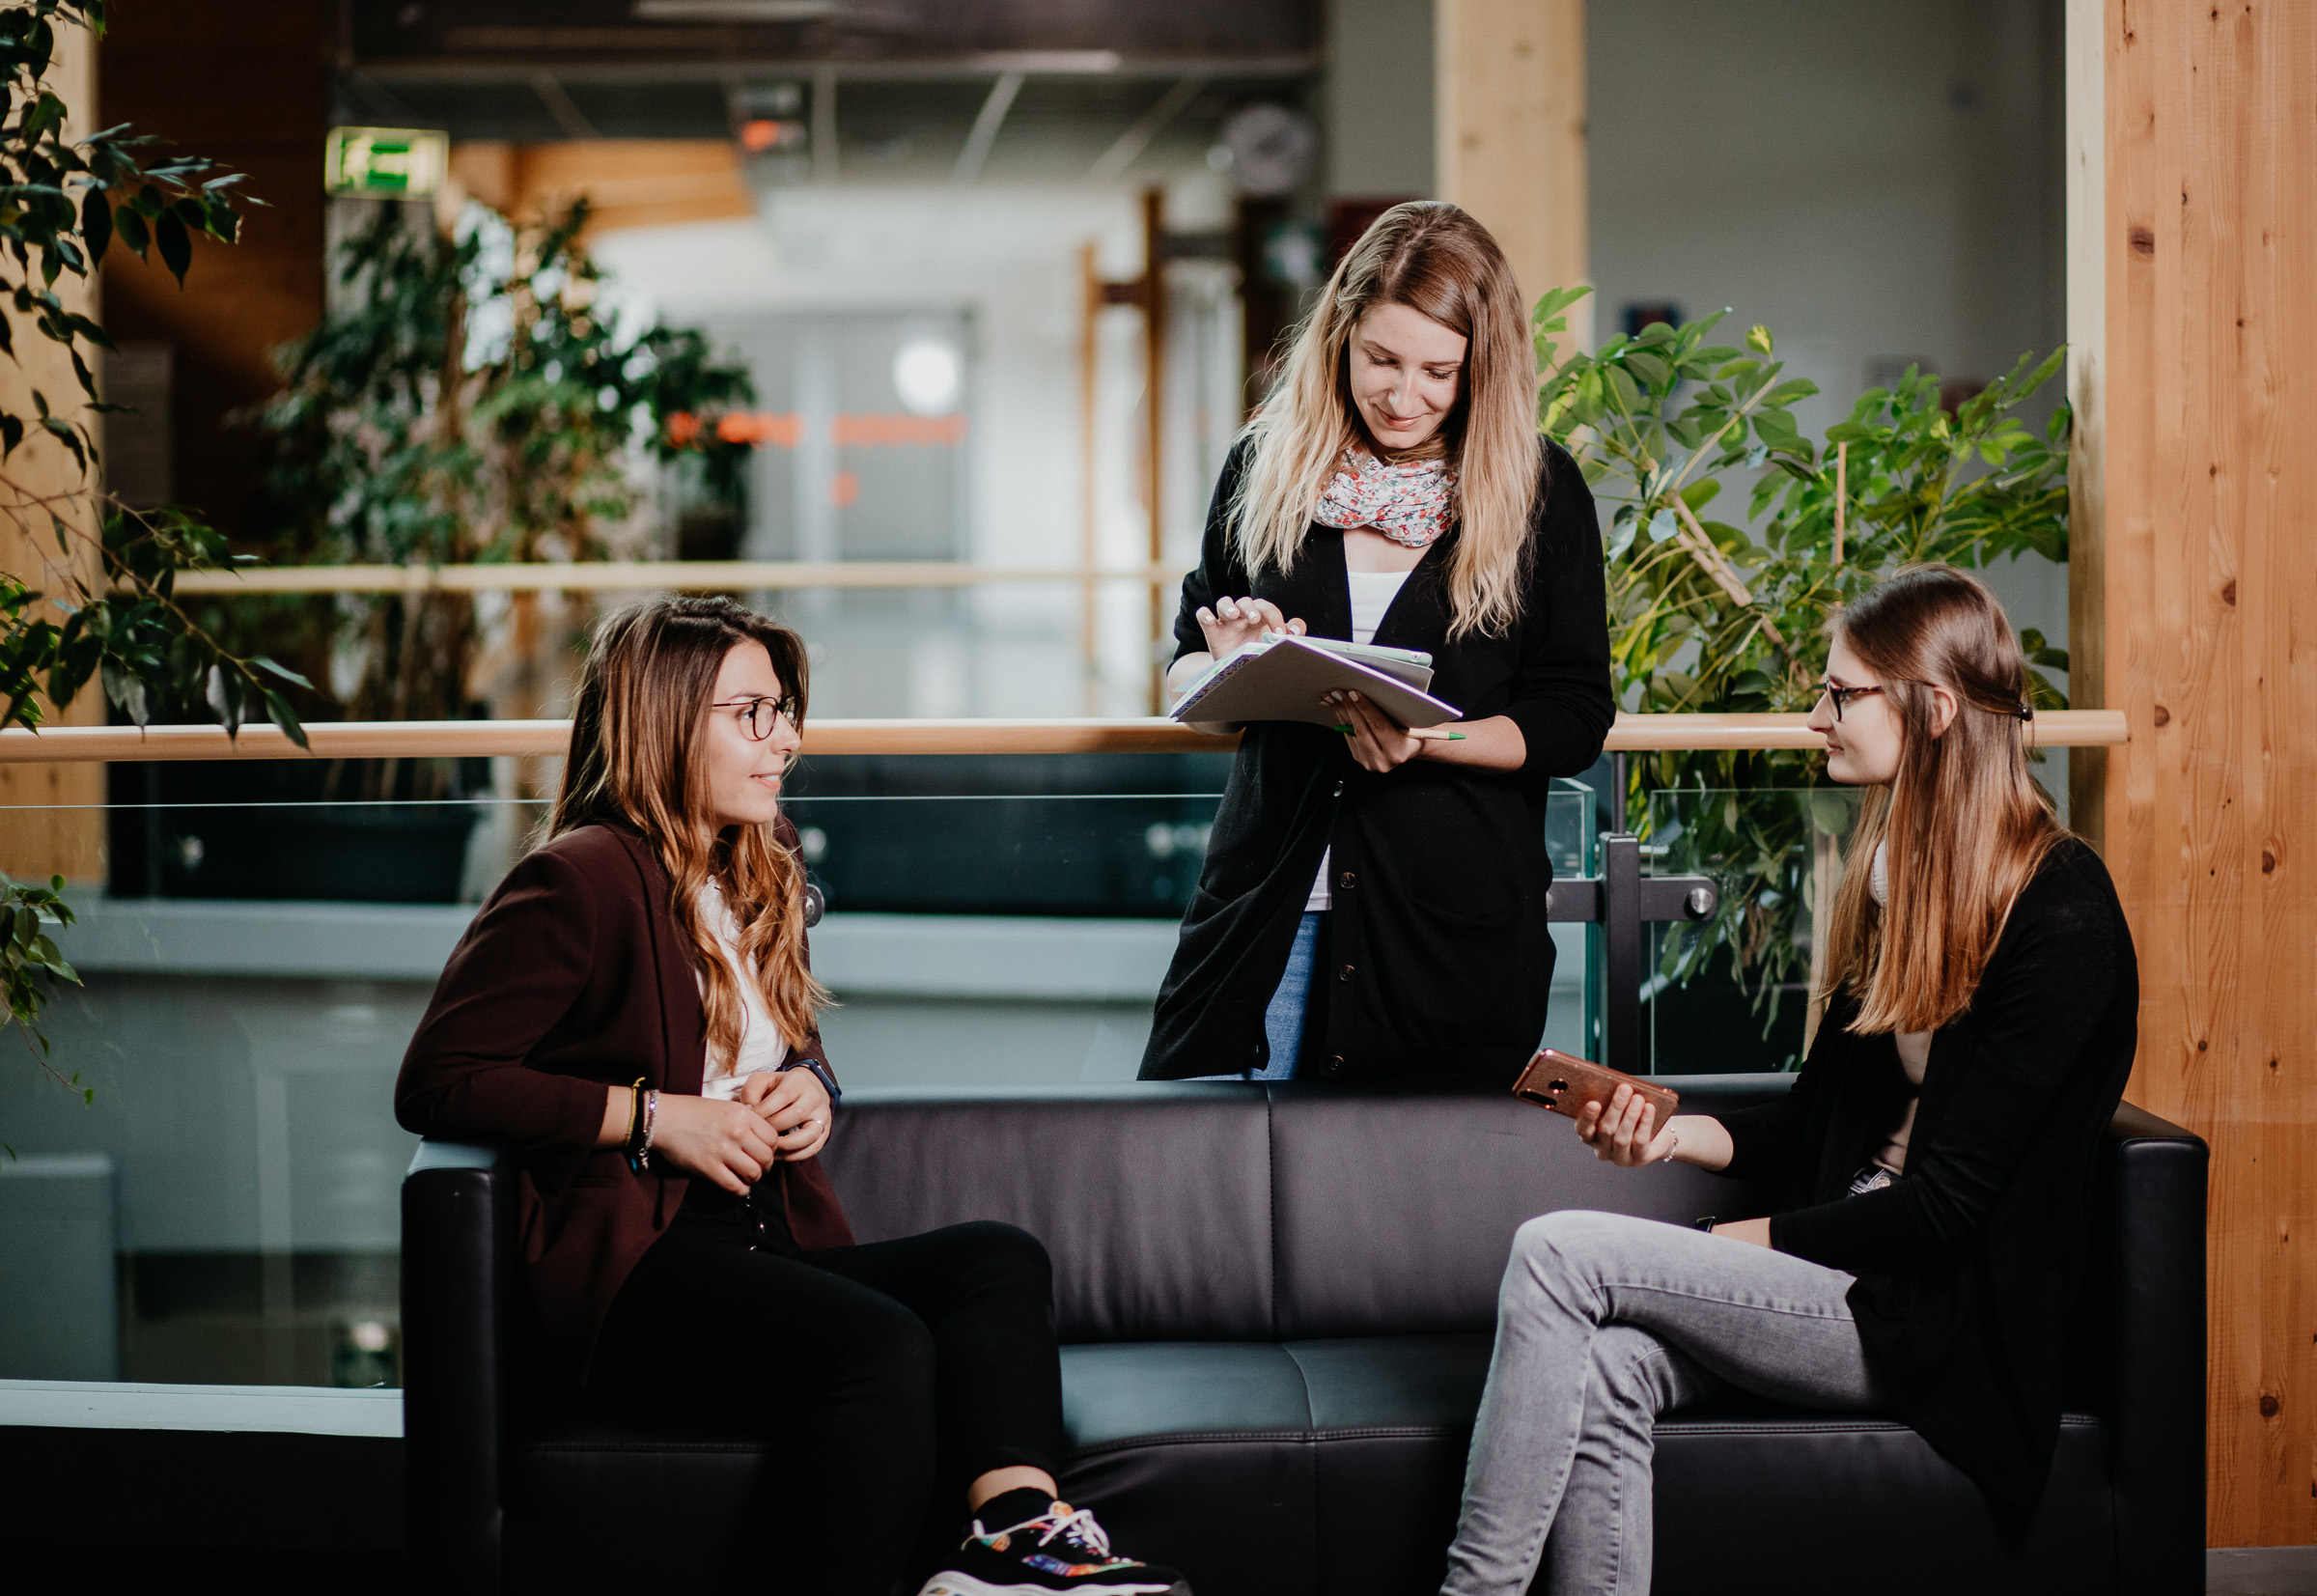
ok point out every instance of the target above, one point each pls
(1060, 1549)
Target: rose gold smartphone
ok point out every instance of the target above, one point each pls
(1564, 1085)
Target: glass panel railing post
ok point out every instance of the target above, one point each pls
(1620, 943)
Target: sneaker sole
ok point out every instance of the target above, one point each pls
(965, 1584)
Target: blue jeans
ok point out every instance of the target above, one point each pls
(1291, 1002)
(1605, 1322)
(1283, 1020)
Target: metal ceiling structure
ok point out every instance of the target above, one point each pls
(904, 92)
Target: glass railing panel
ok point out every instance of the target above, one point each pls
(225, 1207)
(1733, 993)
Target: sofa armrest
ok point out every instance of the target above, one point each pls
(457, 1255)
(2156, 1176)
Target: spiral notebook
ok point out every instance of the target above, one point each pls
(1285, 677)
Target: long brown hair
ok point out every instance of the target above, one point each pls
(1967, 827)
(1435, 260)
(640, 756)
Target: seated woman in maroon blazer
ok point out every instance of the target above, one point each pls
(633, 1012)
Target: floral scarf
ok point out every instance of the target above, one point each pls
(1408, 503)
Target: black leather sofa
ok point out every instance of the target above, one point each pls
(1276, 1305)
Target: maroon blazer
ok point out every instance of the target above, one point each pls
(573, 977)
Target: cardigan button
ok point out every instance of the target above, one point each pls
(1339, 789)
(1347, 881)
(1334, 1065)
(1344, 974)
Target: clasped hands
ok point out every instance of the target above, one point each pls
(1377, 740)
(780, 1117)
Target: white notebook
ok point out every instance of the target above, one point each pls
(1283, 677)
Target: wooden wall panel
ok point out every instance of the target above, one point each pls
(245, 81)
(1509, 100)
(2201, 610)
(42, 840)
(628, 183)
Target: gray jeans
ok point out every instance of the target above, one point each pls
(1603, 1322)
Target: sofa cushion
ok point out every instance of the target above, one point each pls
(1233, 1212)
(1153, 1202)
(1195, 1453)
(1805, 1502)
(1390, 1224)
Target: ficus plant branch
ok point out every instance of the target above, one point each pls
(101, 607)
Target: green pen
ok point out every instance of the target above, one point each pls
(1422, 734)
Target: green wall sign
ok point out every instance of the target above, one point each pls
(387, 163)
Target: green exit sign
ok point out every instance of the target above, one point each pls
(390, 163)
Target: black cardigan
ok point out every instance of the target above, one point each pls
(1439, 956)
(1969, 1265)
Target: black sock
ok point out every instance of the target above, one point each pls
(1009, 1508)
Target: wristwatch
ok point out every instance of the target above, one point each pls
(820, 1071)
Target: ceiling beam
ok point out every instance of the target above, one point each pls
(561, 106)
(1147, 126)
(993, 117)
(950, 68)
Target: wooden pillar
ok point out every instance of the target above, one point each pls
(2192, 607)
(43, 839)
(1510, 101)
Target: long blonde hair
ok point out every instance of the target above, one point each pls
(638, 757)
(1965, 826)
(1435, 260)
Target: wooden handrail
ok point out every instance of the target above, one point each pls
(475, 738)
(645, 575)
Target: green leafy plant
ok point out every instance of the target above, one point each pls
(1714, 615)
(88, 591)
(32, 965)
(411, 433)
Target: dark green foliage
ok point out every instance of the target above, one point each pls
(94, 600)
(400, 441)
(1714, 616)
(30, 965)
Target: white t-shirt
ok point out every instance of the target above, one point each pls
(762, 1046)
(1372, 593)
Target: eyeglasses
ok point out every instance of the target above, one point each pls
(1839, 696)
(755, 715)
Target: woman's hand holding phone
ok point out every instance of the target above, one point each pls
(795, 1105)
(1624, 1130)
(729, 1144)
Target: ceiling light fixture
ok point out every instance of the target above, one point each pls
(926, 375)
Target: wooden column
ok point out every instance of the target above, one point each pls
(1510, 101)
(44, 840)
(2194, 606)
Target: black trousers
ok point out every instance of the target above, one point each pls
(880, 1372)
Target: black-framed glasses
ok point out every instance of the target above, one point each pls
(1839, 696)
(757, 715)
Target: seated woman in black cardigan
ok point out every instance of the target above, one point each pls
(1934, 1159)
(633, 1014)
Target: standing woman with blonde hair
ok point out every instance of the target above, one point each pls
(632, 1014)
(1933, 1163)
(1372, 903)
